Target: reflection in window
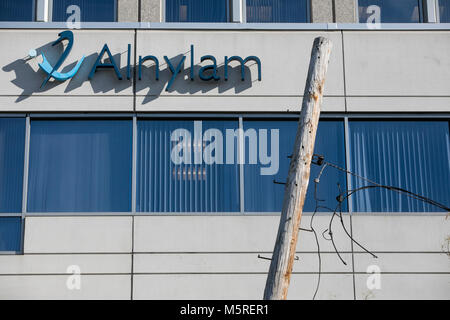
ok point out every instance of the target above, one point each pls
(263, 195)
(444, 11)
(182, 166)
(12, 149)
(16, 10)
(197, 11)
(10, 233)
(90, 11)
(413, 155)
(390, 11)
(277, 11)
(80, 166)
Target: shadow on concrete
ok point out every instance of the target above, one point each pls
(184, 85)
(105, 80)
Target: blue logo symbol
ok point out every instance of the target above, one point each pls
(52, 70)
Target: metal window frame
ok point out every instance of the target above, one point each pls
(438, 14)
(22, 212)
(431, 11)
(183, 26)
(240, 117)
(237, 11)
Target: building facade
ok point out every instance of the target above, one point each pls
(144, 145)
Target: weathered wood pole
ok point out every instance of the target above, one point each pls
(297, 182)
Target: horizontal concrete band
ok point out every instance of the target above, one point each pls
(366, 73)
(227, 234)
(230, 26)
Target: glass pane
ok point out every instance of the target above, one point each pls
(12, 149)
(197, 11)
(444, 11)
(10, 233)
(263, 195)
(16, 10)
(80, 166)
(412, 155)
(91, 11)
(277, 10)
(175, 173)
(390, 11)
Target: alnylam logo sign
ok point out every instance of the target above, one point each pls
(207, 72)
(209, 147)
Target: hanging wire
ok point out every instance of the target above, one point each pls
(319, 160)
(345, 195)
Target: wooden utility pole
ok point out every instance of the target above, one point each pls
(297, 182)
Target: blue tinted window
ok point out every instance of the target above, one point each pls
(197, 11)
(172, 177)
(80, 166)
(262, 194)
(16, 10)
(277, 10)
(12, 149)
(412, 155)
(10, 233)
(444, 11)
(91, 11)
(390, 11)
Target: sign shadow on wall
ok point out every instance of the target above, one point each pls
(183, 84)
(29, 79)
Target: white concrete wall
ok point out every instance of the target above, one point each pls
(216, 257)
(185, 257)
(370, 71)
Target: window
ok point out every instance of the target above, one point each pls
(17, 10)
(10, 233)
(263, 195)
(277, 10)
(197, 11)
(80, 166)
(182, 167)
(413, 155)
(444, 11)
(12, 149)
(90, 11)
(390, 11)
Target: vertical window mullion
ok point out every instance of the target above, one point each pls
(134, 164)
(25, 182)
(347, 162)
(241, 157)
(26, 166)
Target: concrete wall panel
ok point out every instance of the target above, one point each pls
(58, 264)
(401, 233)
(227, 234)
(405, 287)
(233, 263)
(77, 234)
(104, 287)
(284, 59)
(237, 287)
(21, 78)
(397, 63)
(184, 102)
(404, 262)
